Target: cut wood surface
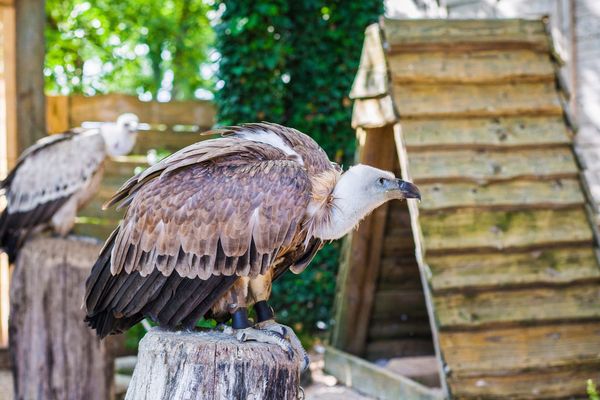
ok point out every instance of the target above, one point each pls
(492, 66)
(472, 228)
(561, 383)
(56, 356)
(486, 165)
(444, 134)
(528, 305)
(499, 269)
(469, 100)
(423, 34)
(556, 193)
(211, 365)
(516, 349)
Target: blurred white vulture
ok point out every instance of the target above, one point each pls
(209, 228)
(55, 177)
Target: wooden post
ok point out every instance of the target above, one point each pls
(55, 355)
(359, 270)
(30, 21)
(210, 365)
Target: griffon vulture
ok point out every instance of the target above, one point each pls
(209, 228)
(56, 177)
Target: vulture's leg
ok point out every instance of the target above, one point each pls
(64, 219)
(236, 300)
(260, 291)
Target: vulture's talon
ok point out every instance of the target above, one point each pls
(264, 336)
(290, 336)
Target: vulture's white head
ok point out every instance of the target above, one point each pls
(358, 192)
(120, 137)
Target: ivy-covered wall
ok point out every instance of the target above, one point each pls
(293, 62)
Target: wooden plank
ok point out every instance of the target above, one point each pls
(57, 114)
(515, 349)
(472, 228)
(433, 34)
(563, 383)
(405, 347)
(527, 305)
(509, 194)
(357, 279)
(167, 140)
(399, 273)
(374, 113)
(468, 100)
(373, 380)
(399, 305)
(394, 329)
(422, 135)
(372, 76)
(10, 151)
(550, 266)
(30, 51)
(486, 165)
(493, 66)
(108, 107)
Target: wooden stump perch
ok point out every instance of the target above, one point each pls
(211, 365)
(55, 355)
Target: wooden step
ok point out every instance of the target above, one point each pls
(540, 384)
(493, 230)
(427, 101)
(505, 132)
(517, 349)
(492, 66)
(483, 166)
(552, 266)
(424, 370)
(463, 35)
(557, 193)
(500, 307)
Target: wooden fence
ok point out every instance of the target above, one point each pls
(163, 126)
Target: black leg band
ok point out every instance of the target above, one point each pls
(239, 319)
(263, 311)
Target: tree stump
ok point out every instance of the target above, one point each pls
(211, 365)
(55, 355)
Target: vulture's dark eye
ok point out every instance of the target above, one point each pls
(381, 181)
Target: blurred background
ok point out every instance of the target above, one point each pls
(478, 101)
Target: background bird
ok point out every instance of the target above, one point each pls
(56, 177)
(209, 228)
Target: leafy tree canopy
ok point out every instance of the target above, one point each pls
(155, 49)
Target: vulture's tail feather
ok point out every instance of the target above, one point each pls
(9, 239)
(115, 303)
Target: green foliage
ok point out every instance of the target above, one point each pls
(130, 46)
(293, 62)
(592, 391)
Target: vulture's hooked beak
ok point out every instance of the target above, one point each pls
(407, 190)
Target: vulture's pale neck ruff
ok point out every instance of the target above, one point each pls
(351, 197)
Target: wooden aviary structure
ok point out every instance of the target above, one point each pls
(505, 248)
(54, 354)
(166, 127)
(211, 365)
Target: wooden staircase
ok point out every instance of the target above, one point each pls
(503, 235)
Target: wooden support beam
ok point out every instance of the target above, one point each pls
(359, 271)
(30, 20)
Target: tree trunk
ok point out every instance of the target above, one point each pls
(55, 355)
(210, 365)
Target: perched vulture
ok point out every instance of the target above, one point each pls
(56, 177)
(209, 228)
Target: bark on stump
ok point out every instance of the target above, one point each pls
(55, 355)
(210, 365)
